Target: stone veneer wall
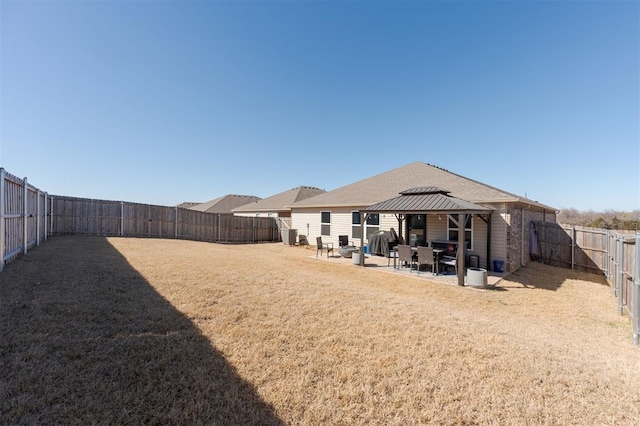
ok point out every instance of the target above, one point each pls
(514, 237)
(517, 237)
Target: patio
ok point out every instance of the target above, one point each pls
(385, 265)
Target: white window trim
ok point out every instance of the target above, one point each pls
(325, 223)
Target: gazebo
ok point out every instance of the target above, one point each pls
(428, 201)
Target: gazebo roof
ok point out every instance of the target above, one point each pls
(424, 200)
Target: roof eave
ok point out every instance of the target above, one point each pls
(265, 210)
(443, 211)
(326, 206)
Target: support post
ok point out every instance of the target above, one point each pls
(2, 219)
(462, 250)
(362, 219)
(489, 263)
(636, 293)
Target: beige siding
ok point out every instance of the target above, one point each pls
(340, 224)
(307, 222)
(479, 246)
(499, 227)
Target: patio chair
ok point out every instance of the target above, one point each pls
(393, 254)
(405, 256)
(343, 240)
(320, 246)
(425, 257)
(451, 261)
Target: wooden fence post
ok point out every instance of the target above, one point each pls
(573, 246)
(176, 227)
(121, 218)
(607, 271)
(620, 275)
(25, 221)
(2, 220)
(44, 215)
(51, 215)
(636, 292)
(37, 217)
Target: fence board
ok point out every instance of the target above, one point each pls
(102, 217)
(597, 250)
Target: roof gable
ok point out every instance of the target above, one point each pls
(278, 202)
(225, 203)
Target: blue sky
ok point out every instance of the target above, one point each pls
(167, 101)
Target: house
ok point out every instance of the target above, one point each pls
(224, 204)
(496, 222)
(277, 205)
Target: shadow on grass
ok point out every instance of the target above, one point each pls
(85, 339)
(545, 277)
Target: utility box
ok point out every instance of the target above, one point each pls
(289, 236)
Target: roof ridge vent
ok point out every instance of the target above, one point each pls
(421, 190)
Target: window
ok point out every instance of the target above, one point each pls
(372, 224)
(453, 230)
(325, 223)
(355, 225)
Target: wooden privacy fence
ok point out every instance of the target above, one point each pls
(597, 250)
(69, 215)
(23, 222)
(29, 215)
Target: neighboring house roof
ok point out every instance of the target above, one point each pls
(225, 203)
(187, 204)
(389, 184)
(424, 199)
(281, 201)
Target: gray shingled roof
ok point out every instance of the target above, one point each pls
(278, 202)
(225, 203)
(418, 200)
(389, 184)
(187, 204)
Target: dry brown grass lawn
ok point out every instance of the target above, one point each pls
(97, 330)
